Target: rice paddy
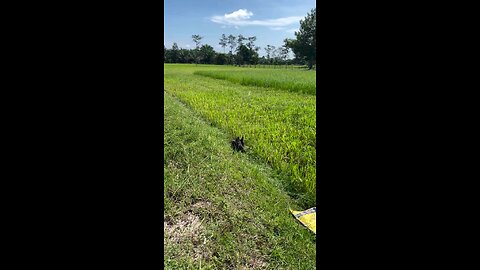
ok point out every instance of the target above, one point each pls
(279, 125)
(301, 81)
(230, 210)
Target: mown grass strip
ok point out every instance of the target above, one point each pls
(278, 126)
(301, 81)
(223, 211)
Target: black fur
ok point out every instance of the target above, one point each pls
(238, 144)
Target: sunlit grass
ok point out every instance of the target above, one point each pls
(223, 210)
(279, 126)
(298, 80)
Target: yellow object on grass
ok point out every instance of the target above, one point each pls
(307, 218)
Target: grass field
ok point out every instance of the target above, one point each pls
(279, 126)
(292, 80)
(226, 210)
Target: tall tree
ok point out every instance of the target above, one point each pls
(240, 40)
(276, 55)
(253, 58)
(207, 54)
(223, 42)
(174, 53)
(243, 55)
(232, 43)
(185, 56)
(246, 55)
(220, 59)
(250, 43)
(269, 49)
(305, 44)
(197, 39)
(284, 53)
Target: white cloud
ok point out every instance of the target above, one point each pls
(238, 15)
(277, 28)
(241, 18)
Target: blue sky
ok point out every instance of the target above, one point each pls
(271, 21)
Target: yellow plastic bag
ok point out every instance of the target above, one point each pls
(307, 218)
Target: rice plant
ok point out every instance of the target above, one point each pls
(278, 126)
(301, 81)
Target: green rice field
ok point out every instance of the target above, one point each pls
(227, 209)
(279, 126)
(287, 79)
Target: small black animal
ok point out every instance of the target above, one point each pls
(238, 144)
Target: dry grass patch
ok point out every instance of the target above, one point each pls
(185, 228)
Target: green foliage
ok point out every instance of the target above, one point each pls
(223, 42)
(232, 42)
(240, 53)
(207, 54)
(172, 56)
(305, 44)
(221, 59)
(246, 55)
(197, 39)
(269, 50)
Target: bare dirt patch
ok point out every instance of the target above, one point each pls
(256, 263)
(201, 204)
(187, 230)
(173, 165)
(187, 227)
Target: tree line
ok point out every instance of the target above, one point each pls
(243, 51)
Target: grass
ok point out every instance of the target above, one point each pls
(224, 210)
(301, 81)
(279, 126)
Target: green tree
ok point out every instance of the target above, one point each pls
(242, 55)
(250, 43)
(246, 55)
(207, 54)
(284, 53)
(305, 44)
(232, 43)
(223, 42)
(269, 49)
(197, 39)
(221, 59)
(174, 53)
(185, 56)
(240, 40)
